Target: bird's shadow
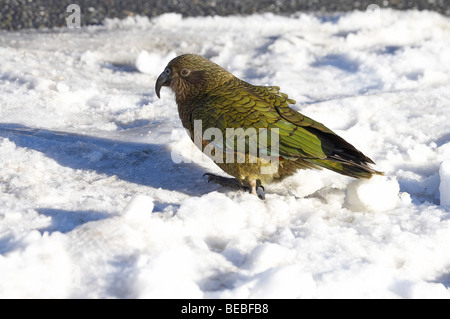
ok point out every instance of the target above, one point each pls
(146, 164)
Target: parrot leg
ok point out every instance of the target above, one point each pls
(253, 186)
(257, 189)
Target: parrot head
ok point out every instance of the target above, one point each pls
(189, 75)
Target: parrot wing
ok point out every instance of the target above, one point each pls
(249, 111)
(258, 110)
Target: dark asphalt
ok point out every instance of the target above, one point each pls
(24, 14)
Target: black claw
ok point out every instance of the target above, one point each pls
(209, 176)
(259, 185)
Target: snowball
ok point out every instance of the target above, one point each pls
(376, 194)
(444, 187)
(139, 206)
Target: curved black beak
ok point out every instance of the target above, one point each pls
(163, 80)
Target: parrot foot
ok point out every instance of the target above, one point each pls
(254, 188)
(257, 189)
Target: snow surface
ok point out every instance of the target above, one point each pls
(94, 204)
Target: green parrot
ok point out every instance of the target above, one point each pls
(250, 131)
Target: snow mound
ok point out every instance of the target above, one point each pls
(379, 193)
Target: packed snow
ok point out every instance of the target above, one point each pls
(100, 196)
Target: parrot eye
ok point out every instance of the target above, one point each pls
(185, 72)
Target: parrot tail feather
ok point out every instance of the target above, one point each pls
(345, 167)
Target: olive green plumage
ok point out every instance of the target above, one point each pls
(207, 92)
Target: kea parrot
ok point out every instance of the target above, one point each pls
(260, 117)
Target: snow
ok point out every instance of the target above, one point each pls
(101, 189)
(444, 187)
(365, 195)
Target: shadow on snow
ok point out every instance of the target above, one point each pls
(141, 163)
